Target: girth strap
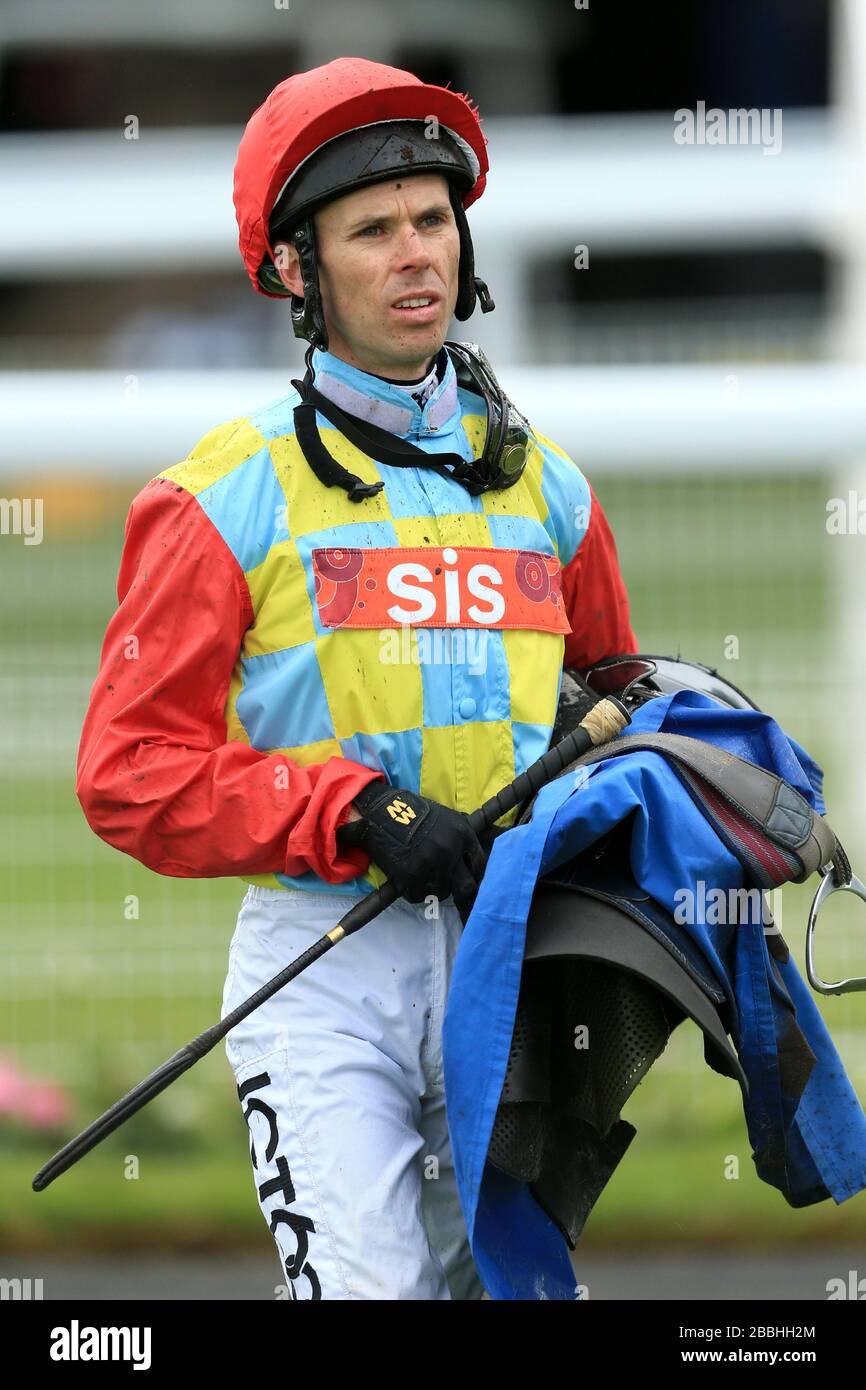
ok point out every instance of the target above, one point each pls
(743, 802)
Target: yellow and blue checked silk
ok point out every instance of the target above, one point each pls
(442, 728)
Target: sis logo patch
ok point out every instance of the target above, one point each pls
(432, 586)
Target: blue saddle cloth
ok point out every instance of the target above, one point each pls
(811, 1147)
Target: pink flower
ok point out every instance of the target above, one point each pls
(35, 1103)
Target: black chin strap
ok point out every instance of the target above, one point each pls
(325, 467)
(376, 443)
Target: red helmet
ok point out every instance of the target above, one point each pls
(320, 134)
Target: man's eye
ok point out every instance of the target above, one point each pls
(373, 227)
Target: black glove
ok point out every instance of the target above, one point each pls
(423, 846)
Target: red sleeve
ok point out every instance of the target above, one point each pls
(156, 776)
(595, 597)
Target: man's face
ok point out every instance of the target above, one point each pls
(376, 247)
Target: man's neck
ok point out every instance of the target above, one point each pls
(406, 380)
(347, 356)
(420, 387)
(395, 406)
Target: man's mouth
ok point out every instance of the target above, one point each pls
(416, 308)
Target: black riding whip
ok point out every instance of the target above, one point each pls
(603, 722)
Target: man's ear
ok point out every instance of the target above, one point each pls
(288, 268)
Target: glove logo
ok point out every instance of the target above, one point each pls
(400, 811)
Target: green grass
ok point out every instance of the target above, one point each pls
(200, 1200)
(663, 1193)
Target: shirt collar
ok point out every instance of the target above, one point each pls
(382, 403)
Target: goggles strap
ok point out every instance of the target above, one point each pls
(376, 443)
(325, 467)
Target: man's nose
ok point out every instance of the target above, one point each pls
(412, 248)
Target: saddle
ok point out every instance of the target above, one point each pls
(608, 974)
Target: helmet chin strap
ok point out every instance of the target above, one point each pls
(470, 285)
(308, 319)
